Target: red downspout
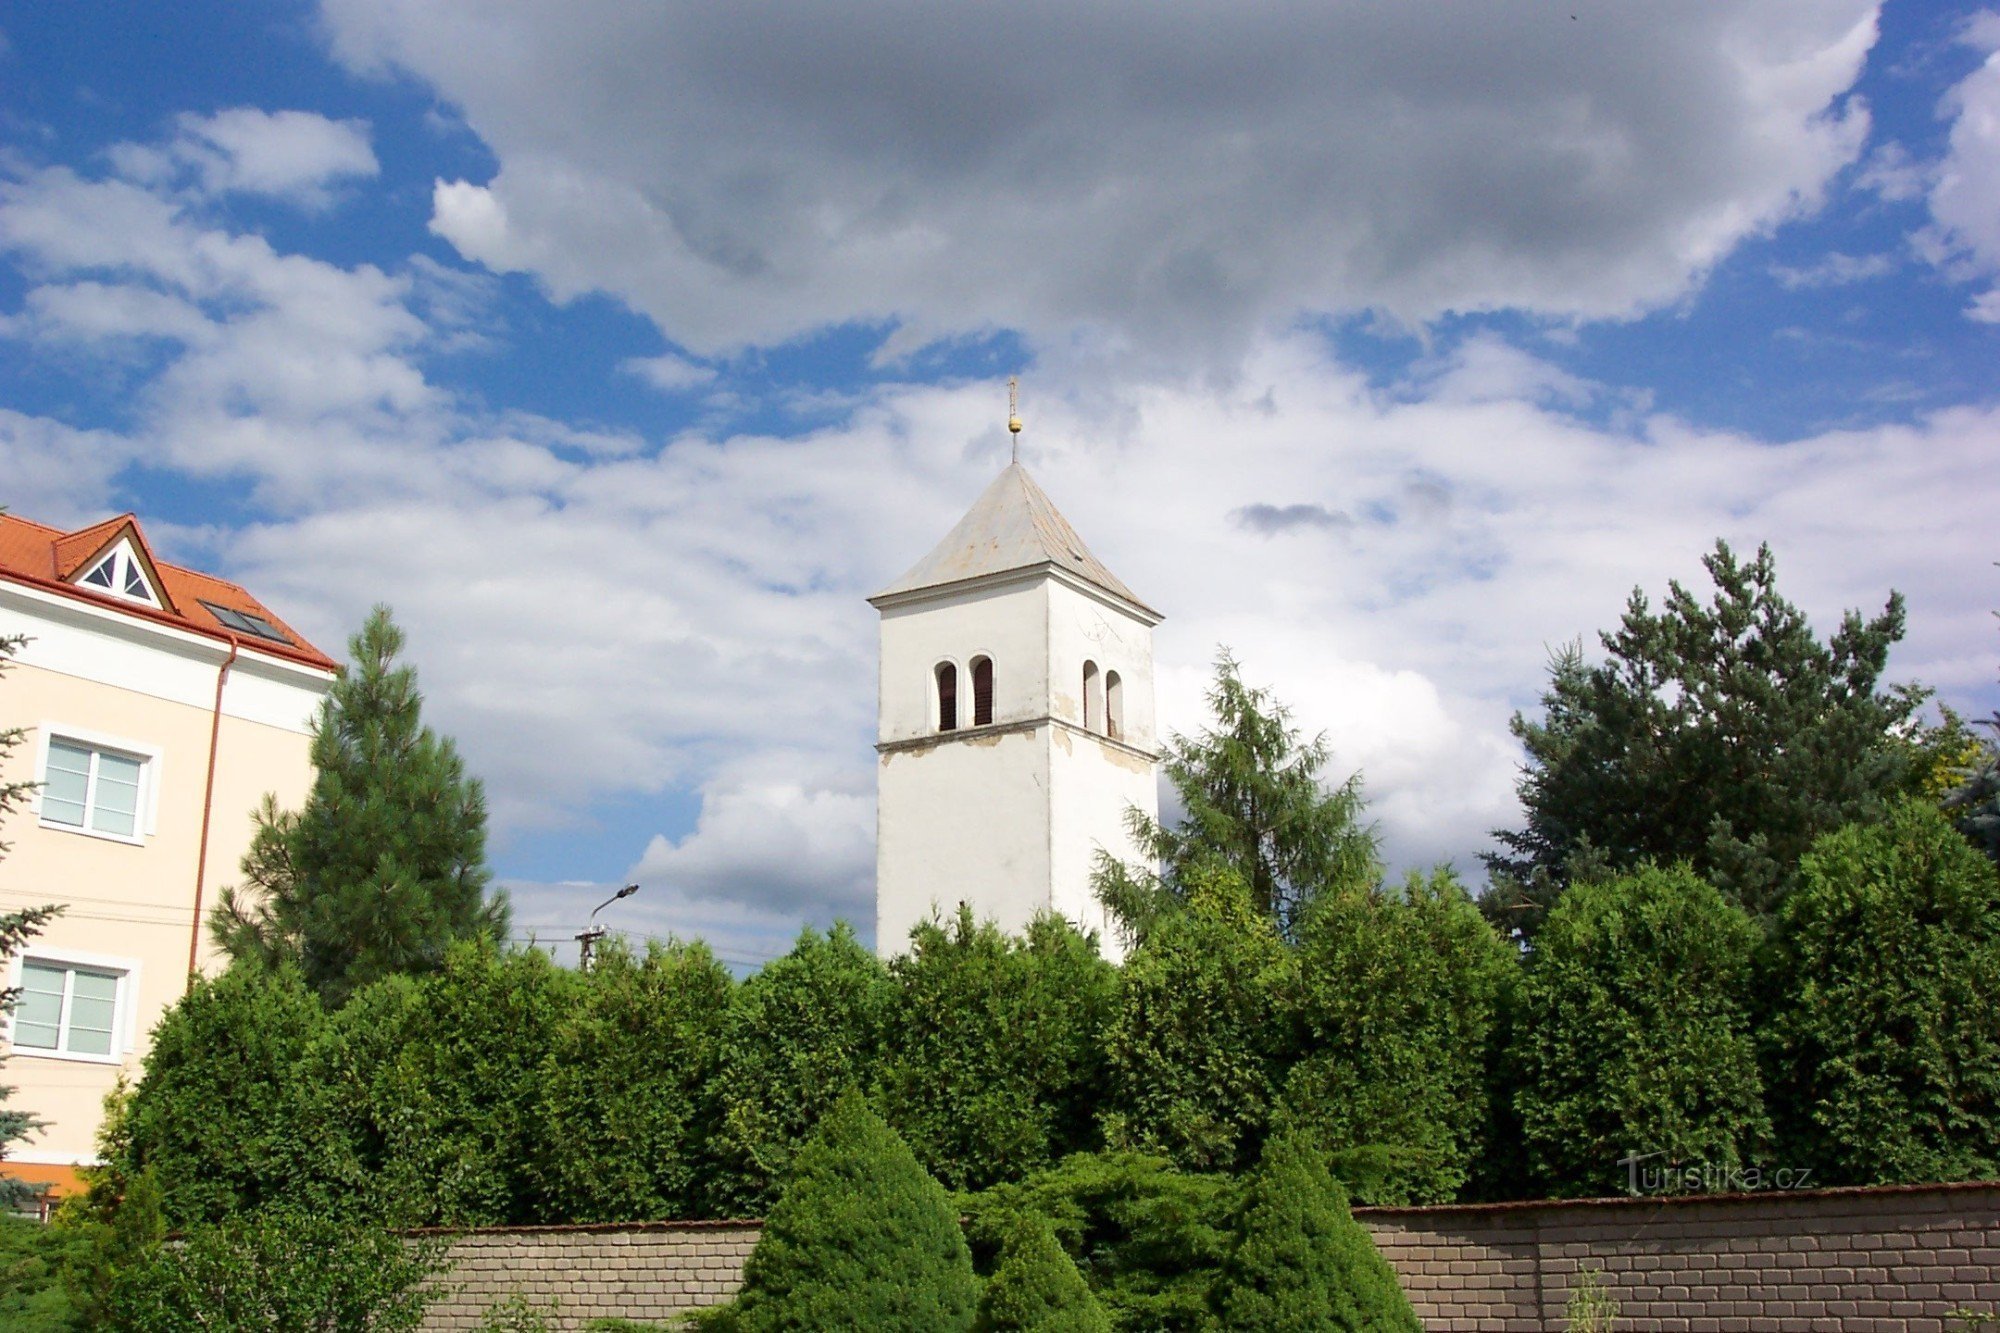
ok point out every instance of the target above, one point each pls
(207, 808)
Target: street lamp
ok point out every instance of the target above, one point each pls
(586, 943)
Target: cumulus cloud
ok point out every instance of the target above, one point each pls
(1965, 193)
(297, 156)
(668, 373)
(597, 617)
(1163, 181)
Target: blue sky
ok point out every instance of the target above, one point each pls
(625, 350)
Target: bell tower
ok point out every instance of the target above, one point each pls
(1015, 722)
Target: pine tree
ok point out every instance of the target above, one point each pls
(1037, 1288)
(1302, 1263)
(385, 866)
(862, 1239)
(16, 929)
(1724, 735)
(1255, 808)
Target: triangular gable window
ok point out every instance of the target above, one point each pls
(122, 575)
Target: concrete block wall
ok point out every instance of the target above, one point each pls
(1884, 1260)
(656, 1272)
(1893, 1260)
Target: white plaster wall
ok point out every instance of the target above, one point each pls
(963, 820)
(1007, 623)
(1092, 783)
(1084, 628)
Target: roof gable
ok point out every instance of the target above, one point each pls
(58, 561)
(1013, 525)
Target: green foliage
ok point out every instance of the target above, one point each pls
(1036, 1288)
(1255, 810)
(1975, 802)
(297, 1271)
(450, 1098)
(385, 866)
(230, 1115)
(995, 1054)
(518, 1314)
(624, 1106)
(1724, 735)
(111, 1230)
(803, 1030)
(1591, 1307)
(32, 1258)
(1199, 1043)
(1635, 1033)
(862, 1239)
(1399, 1000)
(1302, 1264)
(1148, 1239)
(1884, 1043)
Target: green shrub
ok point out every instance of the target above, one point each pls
(1884, 1048)
(32, 1258)
(624, 1115)
(300, 1272)
(801, 1031)
(1635, 1035)
(862, 1239)
(995, 1052)
(1036, 1288)
(1302, 1263)
(1200, 1041)
(1400, 996)
(230, 1115)
(1148, 1239)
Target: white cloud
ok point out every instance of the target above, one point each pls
(1833, 270)
(1166, 181)
(668, 373)
(1965, 195)
(294, 155)
(596, 617)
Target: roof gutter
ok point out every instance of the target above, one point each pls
(207, 809)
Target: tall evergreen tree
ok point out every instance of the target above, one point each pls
(1723, 734)
(385, 866)
(16, 929)
(1255, 806)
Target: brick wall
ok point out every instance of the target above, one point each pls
(1891, 1260)
(657, 1271)
(1857, 1261)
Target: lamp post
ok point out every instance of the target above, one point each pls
(586, 943)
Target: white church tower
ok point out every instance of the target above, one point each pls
(1016, 722)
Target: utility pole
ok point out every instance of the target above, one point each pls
(586, 943)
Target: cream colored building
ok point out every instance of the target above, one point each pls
(159, 705)
(1015, 722)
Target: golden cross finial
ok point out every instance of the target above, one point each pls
(1014, 413)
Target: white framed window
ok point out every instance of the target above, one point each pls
(96, 784)
(120, 574)
(73, 1006)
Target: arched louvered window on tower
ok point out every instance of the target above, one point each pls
(947, 697)
(982, 691)
(1114, 706)
(1093, 697)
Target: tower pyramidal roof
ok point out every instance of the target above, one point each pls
(1013, 525)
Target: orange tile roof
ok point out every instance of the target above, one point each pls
(49, 558)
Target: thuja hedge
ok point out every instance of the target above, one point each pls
(1428, 1058)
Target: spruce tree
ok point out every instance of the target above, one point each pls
(1037, 1288)
(1251, 787)
(385, 865)
(1302, 1263)
(16, 929)
(862, 1239)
